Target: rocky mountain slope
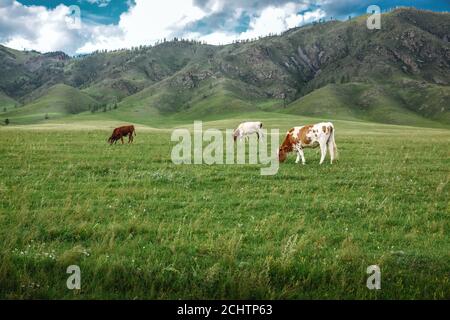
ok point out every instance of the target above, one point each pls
(399, 74)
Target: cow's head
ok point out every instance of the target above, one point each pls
(285, 148)
(282, 154)
(235, 135)
(111, 140)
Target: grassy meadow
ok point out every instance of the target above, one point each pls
(141, 227)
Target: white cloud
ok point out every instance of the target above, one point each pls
(100, 3)
(278, 19)
(272, 20)
(35, 27)
(145, 23)
(42, 29)
(217, 38)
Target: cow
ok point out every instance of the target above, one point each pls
(310, 136)
(121, 132)
(245, 129)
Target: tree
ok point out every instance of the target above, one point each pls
(46, 116)
(6, 121)
(284, 100)
(4, 109)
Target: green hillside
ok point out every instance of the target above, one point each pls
(6, 103)
(112, 76)
(375, 103)
(399, 74)
(60, 100)
(186, 97)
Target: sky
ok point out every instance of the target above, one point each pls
(83, 26)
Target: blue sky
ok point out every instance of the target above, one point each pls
(46, 25)
(99, 11)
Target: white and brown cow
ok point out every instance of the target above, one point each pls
(245, 129)
(310, 136)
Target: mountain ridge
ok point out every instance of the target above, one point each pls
(411, 52)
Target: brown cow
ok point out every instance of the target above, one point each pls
(121, 132)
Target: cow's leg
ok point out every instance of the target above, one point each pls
(260, 135)
(323, 151)
(239, 135)
(300, 154)
(298, 157)
(121, 138)
(331, 149)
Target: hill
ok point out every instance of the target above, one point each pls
(58, 101)
(399, 74)
(378, 103)
(404, 83)
(6, 103)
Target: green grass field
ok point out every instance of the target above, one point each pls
(140, 227)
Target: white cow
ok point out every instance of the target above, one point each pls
(247, 128)
(311, 136)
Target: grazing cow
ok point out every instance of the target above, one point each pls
(311, 136)
(247, 128)
(121, 132)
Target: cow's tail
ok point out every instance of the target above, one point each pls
(134, 131)
(333, 143)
